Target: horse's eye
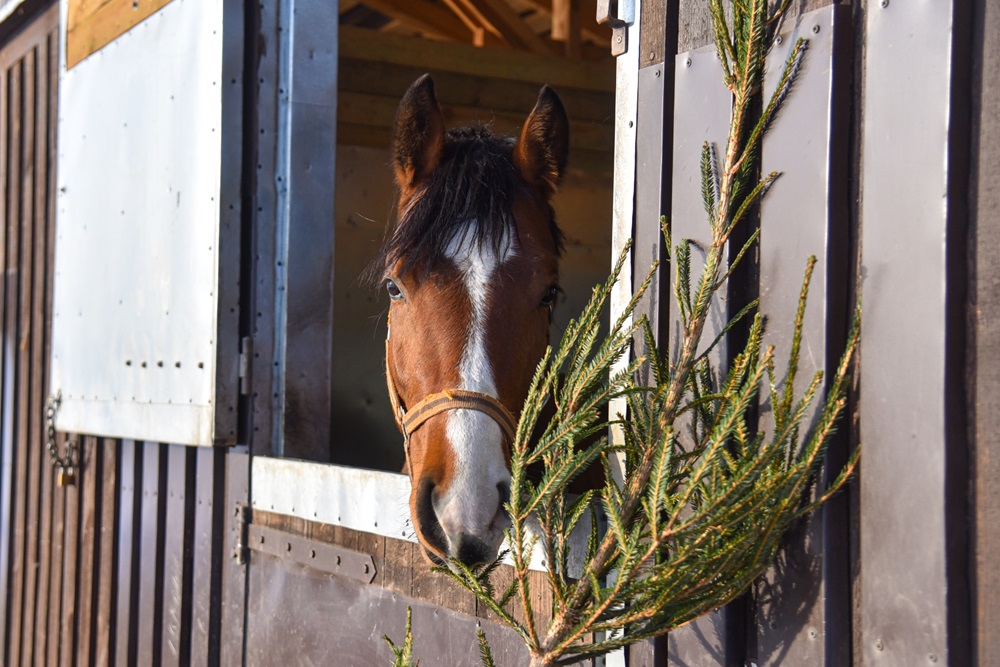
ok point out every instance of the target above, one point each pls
(394, 292)
(549, 299)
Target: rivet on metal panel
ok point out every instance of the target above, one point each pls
(879, 645)
(687, 62)
(657, 73)
(778, 40)
(932, 657)
(816, 29)
(885, 3)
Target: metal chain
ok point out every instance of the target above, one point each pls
(65, 465)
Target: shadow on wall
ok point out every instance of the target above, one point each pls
(364, 434)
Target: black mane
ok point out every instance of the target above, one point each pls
(475, 180)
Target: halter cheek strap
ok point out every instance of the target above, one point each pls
(410, 420)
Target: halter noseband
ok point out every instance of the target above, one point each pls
(410, 420)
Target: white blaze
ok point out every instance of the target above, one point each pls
(471, 503)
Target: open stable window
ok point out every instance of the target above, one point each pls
(145, 314)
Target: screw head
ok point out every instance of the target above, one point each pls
(778, 40)
(816, 29)
(885, 3)
(687, 62)
(879, 645)
(618, 39)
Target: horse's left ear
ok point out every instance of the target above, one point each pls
(540, 154)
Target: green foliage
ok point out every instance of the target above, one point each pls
(402, 656)
(706, 495)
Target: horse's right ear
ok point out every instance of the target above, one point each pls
(419, 134)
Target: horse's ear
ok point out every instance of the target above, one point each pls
(418, 136)
(540, 154)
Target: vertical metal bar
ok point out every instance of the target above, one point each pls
(234, 573)
(623, 210)
(702, 109)
(655, 83)
(208, 558)
(150, 565)
(129, 518)
(906, 485)
(177, 531)
(803, 602)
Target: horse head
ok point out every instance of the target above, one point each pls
(471, 270)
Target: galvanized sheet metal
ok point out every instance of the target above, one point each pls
(702, 108)
(803, 215)
(137, 272)
(903, 583)
(367, 500)
(292, 611)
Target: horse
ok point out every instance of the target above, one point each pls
(471, 269)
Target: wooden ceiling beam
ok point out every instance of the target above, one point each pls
(566, 25)
(424, 16)
(587, 16)
(510, 26)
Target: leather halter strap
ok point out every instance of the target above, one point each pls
(410, 420)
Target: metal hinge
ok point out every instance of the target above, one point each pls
(618, 15)
(318, 555)
(241, 526)
(246, 355)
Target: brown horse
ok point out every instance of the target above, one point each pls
(471, 269)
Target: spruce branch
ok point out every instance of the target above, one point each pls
(706, 496)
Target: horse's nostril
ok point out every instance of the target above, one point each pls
(504, 489)
(473, 551)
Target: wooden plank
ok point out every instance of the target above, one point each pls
(32, 321)
(126, 619)
(151, 556)
(377, 78)
(7, 453)
(70, 601)
(17, 576)
(93, 25)
(177, 536)
(208, 557)
(46, 101)
(379, 111)
(985, 311)
(107, 553)
(397, 572)
(53, 622)
(88, 476)
(507, 65)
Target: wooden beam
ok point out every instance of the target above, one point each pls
(424, 16)
(357, 43)
(513, 29)
(566, 25)
(587, 15)
(93, 25)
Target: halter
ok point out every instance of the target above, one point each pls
(410, 420)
